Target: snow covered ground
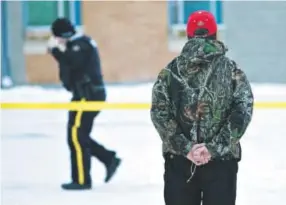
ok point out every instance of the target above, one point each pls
(35, 158)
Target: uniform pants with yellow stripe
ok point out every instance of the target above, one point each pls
(82, 146)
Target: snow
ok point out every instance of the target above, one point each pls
(35, 158)
(123, 93)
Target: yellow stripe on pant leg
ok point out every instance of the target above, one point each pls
(78, 149)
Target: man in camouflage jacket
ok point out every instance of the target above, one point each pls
(201, 106)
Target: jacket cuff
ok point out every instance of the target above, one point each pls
(187, 148)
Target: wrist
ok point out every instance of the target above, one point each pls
(187, 149)
(211, 149)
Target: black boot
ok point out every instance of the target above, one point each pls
(76, 186)
(111, 168)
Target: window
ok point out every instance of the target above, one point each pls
(40, 14)
(38, 17)
(179, 11)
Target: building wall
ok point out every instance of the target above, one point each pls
(255, 34)
(41, 68)
(132, 39)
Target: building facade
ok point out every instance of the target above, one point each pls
(132, 37)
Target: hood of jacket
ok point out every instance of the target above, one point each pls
(197, 52)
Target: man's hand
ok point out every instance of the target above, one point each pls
(52, 43)
(55, 43)
(199, 154)
(202, 154)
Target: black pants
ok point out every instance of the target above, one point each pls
(82, 147)
(211, 184)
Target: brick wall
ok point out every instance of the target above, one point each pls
(41, 68)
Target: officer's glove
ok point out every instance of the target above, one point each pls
(54, 43)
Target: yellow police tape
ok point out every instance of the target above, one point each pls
(94, 106)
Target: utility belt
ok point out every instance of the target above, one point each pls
(89, 91)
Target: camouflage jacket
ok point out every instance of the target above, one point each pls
(202, 97)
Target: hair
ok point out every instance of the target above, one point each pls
(203, 33)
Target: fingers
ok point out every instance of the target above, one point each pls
(197, 146)
(199, 151)
(205, 160)
(200, 155)
(52, 42)
(207, 156)
(198, 160)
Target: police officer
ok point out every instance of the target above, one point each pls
(80, 73)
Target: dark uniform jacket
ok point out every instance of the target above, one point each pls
(80, 69)
(202, 97)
